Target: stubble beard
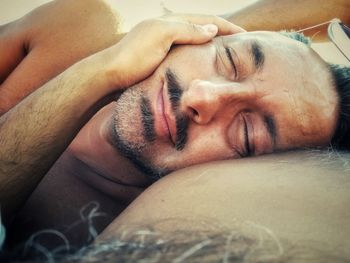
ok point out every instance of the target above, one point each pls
(131, 137)
(133, 128)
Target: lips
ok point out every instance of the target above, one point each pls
(164, 126)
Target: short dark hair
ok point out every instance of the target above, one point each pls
(341, 81)
(297, 36)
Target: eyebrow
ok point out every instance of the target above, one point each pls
(270, 124)
(257, 54)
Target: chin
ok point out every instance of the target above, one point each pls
(128, 135)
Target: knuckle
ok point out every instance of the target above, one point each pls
(195, 28)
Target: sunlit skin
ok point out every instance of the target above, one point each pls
(229, 106)
(293, 76)
(297, 200)
(232, 105)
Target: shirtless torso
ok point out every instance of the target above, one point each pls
(37, 48)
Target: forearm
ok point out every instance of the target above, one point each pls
(277, 15)
(38, 130)
(35, 132)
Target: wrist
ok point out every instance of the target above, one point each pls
(93, 74)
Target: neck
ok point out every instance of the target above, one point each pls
(92, 147)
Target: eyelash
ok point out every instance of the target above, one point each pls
(230, 58)
(248, 150)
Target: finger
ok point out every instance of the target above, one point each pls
(224, 27)
(187, 33)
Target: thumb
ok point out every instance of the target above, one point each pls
(195, 34)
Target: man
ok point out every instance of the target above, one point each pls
(237, 111)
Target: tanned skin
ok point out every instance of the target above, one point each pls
(33, 134)
(37, 51)
(276, 15)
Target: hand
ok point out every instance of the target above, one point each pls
(140, 52)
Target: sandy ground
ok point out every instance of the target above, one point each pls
(134, 11)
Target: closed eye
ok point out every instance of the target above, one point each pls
(247, 147)
(229, 56)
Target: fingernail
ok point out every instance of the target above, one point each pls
(211, 28)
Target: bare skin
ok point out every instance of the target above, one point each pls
(278, 15)
(298, 201)
(37, 46)
(81, 90)
(31, 50)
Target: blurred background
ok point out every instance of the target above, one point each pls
(134, 11)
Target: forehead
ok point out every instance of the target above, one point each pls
(294, 82)
(275, 46)
(266, 38)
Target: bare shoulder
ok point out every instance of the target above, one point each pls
(294, 196)
(48, 40)
(314, 167)
(71, 17)
(329, 161)
(311, 162)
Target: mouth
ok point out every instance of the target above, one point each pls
(164, 122)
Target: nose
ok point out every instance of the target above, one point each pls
(204, 100)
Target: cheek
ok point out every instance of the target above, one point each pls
(304, 122)
(202, 146)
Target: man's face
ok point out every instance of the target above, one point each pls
(239, 95)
